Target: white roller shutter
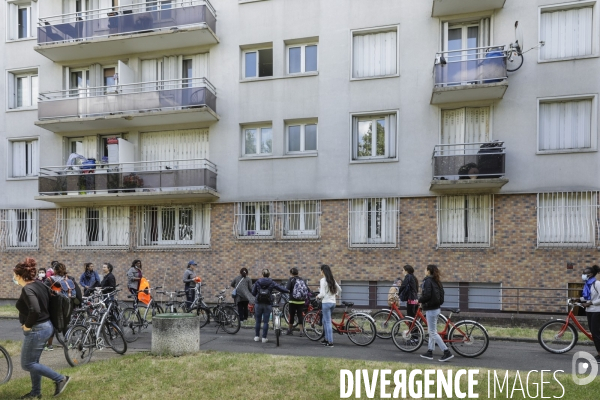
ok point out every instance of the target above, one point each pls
(374, 54)
(567, 33)
(565, 125)
(175, 145)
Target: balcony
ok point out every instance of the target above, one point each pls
(135, 183)
(468, 167)
(135, 105)
(476, 74)
(127, 29)
(450, 7)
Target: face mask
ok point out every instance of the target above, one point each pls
(41, 275)
(584, 277)
(15, 281)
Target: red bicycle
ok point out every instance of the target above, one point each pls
(385, 320)
(559, 336)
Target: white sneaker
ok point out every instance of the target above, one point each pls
(256, 338)
(265, 340)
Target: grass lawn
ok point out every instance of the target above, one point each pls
(8, 311)
(220, 375)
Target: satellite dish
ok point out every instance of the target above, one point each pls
(519, 38)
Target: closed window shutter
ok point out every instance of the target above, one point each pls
(18, 159)
(567, 33)
(478, 219)
(375, 54)
(565, 125)
(451, 223)
(175, 145)
(13, 20)
(118, 226)
(76, 226)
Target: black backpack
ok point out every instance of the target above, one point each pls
(60, 308)
(264, 295)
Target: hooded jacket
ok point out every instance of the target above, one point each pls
(267, 283)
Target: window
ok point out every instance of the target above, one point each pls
(258, 63)
(21, 20)
(18, 228)
(109, 80)
(464, 221)
(374, 54)
(257, 141)
(373, 222)
(186, 73)
(104, 227)
(460, 44)
(255, 219)
(302, 138)
(567, 219)
(568, 33)
(374, 136)
(302, 58)
(23, 89)
(79, 81)
(25, 158)
(172, 226)
(466, 125)
(302, 219)
(567, 125)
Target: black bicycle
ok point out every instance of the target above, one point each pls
(224, 315)
(5, 366)
(135, 319)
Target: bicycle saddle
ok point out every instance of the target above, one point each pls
(452, 310)
(348, 303)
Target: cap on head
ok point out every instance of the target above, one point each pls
(192, 262)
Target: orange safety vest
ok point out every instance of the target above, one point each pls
(144, 297)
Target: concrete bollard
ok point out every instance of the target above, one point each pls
(175, 334)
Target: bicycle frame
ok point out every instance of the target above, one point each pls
(448, 326)
(571, 318)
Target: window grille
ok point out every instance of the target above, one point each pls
(173, 226)
(301, 219)
(567, 219)
(19, 229)
(92, 228)
(465, 221)
(373, 222)
(255, 220)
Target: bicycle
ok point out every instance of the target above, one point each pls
(225, 316)
(5, 366)
(276, 316)
(359, 326)
(312, 305)
(386, 319)
(467, 338)
(559, 336)
(133, 321)
(172, 304)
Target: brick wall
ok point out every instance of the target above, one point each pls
(513, 260)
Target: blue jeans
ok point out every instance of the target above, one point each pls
(33, 345)
(434, 336)
(262, 311)
(327, 326)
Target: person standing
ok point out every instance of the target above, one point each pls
(243, 293)
(89, 279)
(432, 297)
(409, 291)
(262, 290)
(188, 279)
(41, 275)
(109, 283)
(393, 297)
(134, 276)
(296, 305)
(34, 316)
(590, 299)
(327, 292)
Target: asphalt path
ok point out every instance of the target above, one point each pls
(499, 356)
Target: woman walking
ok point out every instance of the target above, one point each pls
(89, 279)
(431, 300)
(327, 292)
(409, 291)
(33, 306)
(243, 293)
(591, 302)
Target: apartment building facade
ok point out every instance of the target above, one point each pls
(282, 133)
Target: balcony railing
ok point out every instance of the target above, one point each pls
(126, 19)
(470, 66)
(469, 161)
(130, 98)
(143, 176)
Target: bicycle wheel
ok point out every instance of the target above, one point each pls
(114, 338)
(557, 338)
(229, 320)
(5, 366)
(277, 334)
(468, 338)
(79, 346)
(384, 322)
(60, 337)
(286, 314)
(313, 326)
(132, 324)
(361, 330)
(204, 315)
(407, 334)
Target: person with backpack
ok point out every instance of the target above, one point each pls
(432, 298)
(34, 316)
(590, 299)
(65, 285)
(299, 294)
(409, 291)
(89, 279)
(242, 293)
(327, 292)
(134, 276)
(262, 290)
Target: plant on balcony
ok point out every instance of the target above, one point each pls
(132, 181)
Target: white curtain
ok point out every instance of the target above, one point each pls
(451, 219)
(96, 79)
(374, 54)
(118, 226)
(18, 159)
(478, 219)
(202, 224)
(567, 217)
(149, 74)
(390, 218)
(358, 221)
(567, 33)
(12, 226)
(76, 226)
(466, 125)
(175, 145)
(172, 68)
(200, 66)
(565, 125)
(484, 33)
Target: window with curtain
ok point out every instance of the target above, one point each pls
(565, 125)
(83, 227)
(25, 158)
(22, 89)
(374, 136)
(567, 218)
(373, 222)
(465, 125)
(302, 219)
(567, 33)
(177, 225)
(185, 145)
(255, 219)
(19, 228)
(464, 221)
(374, 53)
